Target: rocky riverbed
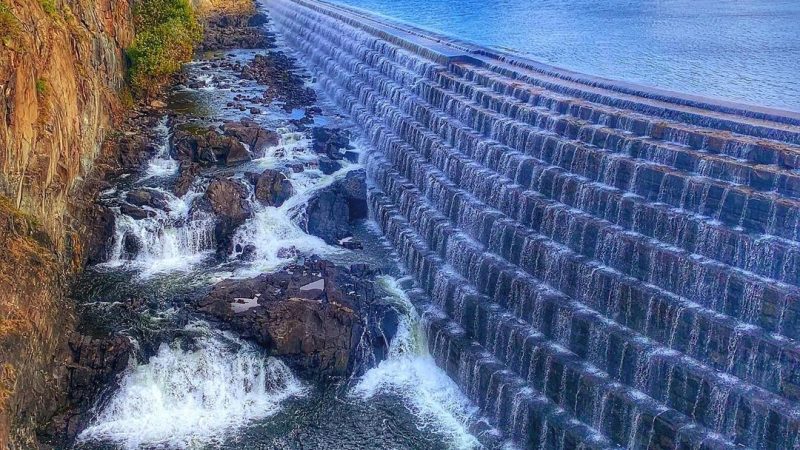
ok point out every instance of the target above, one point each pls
(238, 295)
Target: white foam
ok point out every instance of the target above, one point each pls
(183, 398)
(411, 372)
(162, 164)
(169, 241)
(275, 232)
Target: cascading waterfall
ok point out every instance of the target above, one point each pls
(202, 394)
(175, 239)
(608, 270)
(411, 372)
(162, 164)
(275, 232)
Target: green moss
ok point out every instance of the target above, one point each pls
(9, 25)
(166, 33)
(41, 86)
(49, 6)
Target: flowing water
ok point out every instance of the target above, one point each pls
(578, 270)
(194, 386)
(600, 270)
(742, 51)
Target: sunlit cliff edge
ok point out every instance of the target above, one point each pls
(62, 74)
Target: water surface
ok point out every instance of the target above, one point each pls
(747, 51)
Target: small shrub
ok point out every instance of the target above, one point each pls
(166, 33)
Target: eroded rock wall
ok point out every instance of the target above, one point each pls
(62, 71)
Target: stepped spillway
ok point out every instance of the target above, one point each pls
(605, 265)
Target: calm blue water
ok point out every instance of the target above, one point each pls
(742, 50)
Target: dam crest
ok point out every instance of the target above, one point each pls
(601, 264)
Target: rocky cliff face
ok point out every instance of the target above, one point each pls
(62, 73)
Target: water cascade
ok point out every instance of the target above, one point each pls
(183, 397)
(606, 265)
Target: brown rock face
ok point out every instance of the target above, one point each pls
(228, 199)
(312, 316)
(207, 147)
(251, 134)
(273, 188)
(95, 363)
(60, 73)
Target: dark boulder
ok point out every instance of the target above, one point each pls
(328, 166)
(313, 316)
(131, 244)
(133, 150)
(148, 197)
(136, 212)
(330, 141)
(100, 223)
(257, 138)
(227, 199)
(272, 188)
(207, 147)
(187, 173)
(331, 213)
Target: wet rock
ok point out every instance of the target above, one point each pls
(257, 20)
(331, 213)
(277, 71)
(207, 147)
(257, 138)
(247, 253)
(272, 188)
(187, 173)
(100, 222)
(330, 141)
(131, 245)
(227, 199)
(133, 150)
(236, 31)
(328, 166)
(148, 197)
(313, 316)
(136, 212)
(96, 364)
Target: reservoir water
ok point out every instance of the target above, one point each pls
(745, 51)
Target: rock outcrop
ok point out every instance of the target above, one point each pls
(94, 365)
(272, 187)
(276, 70)
(207, 147)
(62, 67)
(257, 138)
(227, 199)
(331, 213)
(313, 316)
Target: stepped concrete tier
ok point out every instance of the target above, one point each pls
(604, 265)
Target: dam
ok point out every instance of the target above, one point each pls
(600, 264)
